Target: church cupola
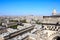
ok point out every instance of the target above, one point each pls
(54, 12)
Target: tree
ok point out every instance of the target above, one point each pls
(37, 22)
(23, 21)
(13, 20)
(14, 27)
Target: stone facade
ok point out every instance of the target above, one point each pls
(51, 19)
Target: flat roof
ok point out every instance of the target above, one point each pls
(52, 16)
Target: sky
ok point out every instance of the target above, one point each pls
(28, 7)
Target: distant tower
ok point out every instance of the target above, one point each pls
(54, 12)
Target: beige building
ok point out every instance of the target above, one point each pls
(2, 30)
(54, 18)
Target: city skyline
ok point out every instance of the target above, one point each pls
(28, 7)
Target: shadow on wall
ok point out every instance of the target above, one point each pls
(56, 38)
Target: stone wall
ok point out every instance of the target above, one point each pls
(51, 19)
